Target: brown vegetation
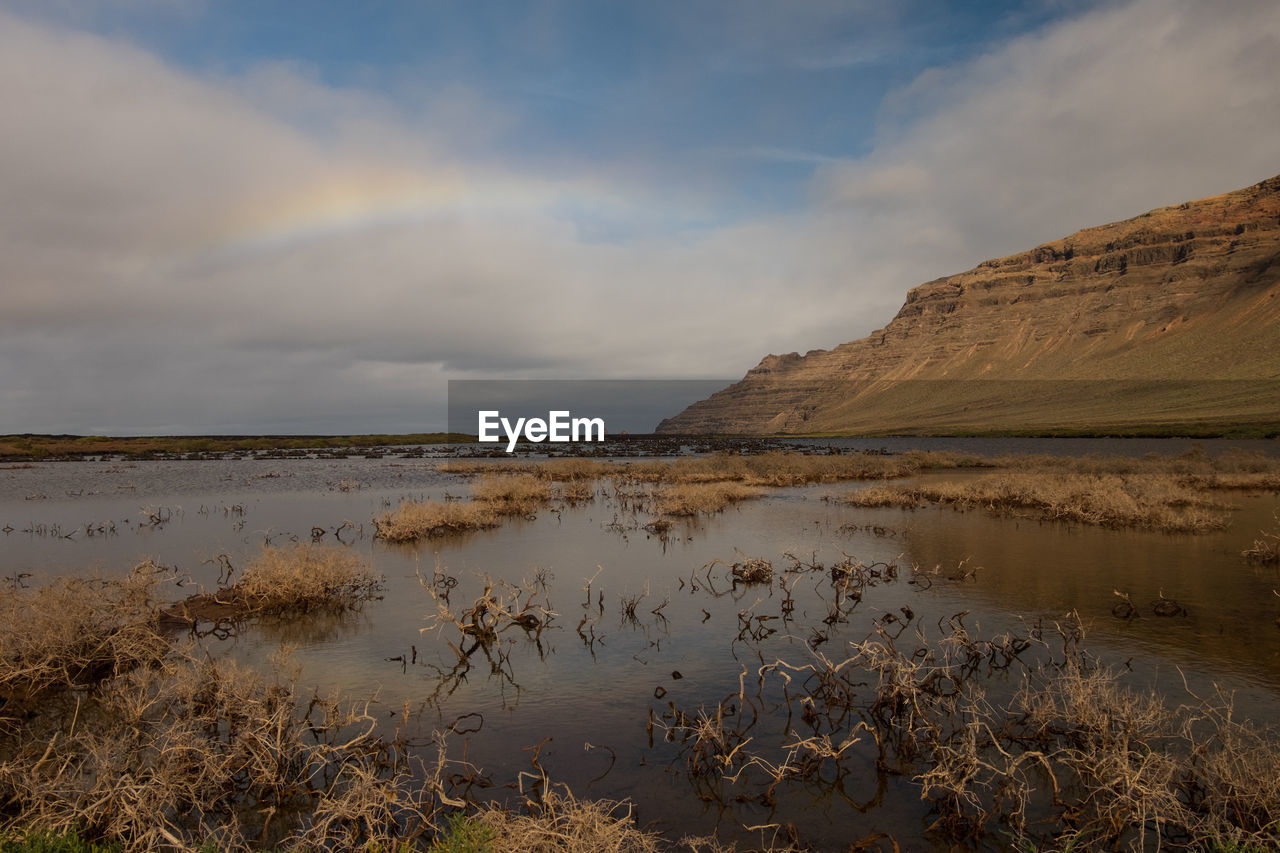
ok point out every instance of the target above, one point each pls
(76, 631)
(186, 751)
(109, 730)
(684, 487)
(511, 494)
(1142, 501)
(493, 496)
(566, 825)
(778, 468)
(577, 491)
(1076, 753)
(1266, 548)
(422, 519)
(1168, 493)
(1123, 765)
(691, 499)
(79, 446)
(282, 581)
(774, 468)
(306, 576)
(557, 470)
(747, 570)
(168, 749)
(1195, 468)
(501, 606)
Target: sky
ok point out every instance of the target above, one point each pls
(278, 216)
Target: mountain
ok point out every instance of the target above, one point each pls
(1165, 323)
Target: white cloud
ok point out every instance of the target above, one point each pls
(1123, 109)
(196, 254)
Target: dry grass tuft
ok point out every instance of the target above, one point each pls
(307, 576)
(753, 570)
(1250, 481)
(301, 578)
(691, 499)
(1109, 500)
(414, 520)
(145, 746)
(193, 750)
(77, 631)
(578, 491)
(512, 494)
(494, 496)
(1266, 548)
(567, 825)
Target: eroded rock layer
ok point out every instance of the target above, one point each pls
(1167, 320)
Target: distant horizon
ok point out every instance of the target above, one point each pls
(306, 218)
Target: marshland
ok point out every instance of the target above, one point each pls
(827, 644)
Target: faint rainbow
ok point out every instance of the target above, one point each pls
(331, 208)
(353, 204)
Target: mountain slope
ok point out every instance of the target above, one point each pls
(1167, 321)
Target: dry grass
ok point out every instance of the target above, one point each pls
(306, 576)
(578, 491)
(1234, 469)
(691, 499)
(1243, 482)
(1194, 469)
(501, 606)
(196, 750)
(288, 581)
(493, 496)
(779, 468)
(753, 570)
(73, 447)
(185, 749)
(1076, 753)
(146, 746)
(566, 825)
(77, 631)
(511, 494)
(414, 520)
(556, 470)
(568, 470)
(1167, 493)
(775, 468)
(1266, 548)
(188, 752)
(1109, 500)
(1130, 770)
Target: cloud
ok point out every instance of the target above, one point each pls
(186, 252)
(1099, 118)
(263, 251)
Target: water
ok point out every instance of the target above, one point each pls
(592, 693)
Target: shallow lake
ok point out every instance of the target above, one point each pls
(604, 685)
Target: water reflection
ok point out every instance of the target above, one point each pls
(587, 691)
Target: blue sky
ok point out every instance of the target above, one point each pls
(306, 217)
(737, 100)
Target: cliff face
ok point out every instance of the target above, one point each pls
(1172, 317)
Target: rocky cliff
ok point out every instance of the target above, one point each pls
(1169, 321)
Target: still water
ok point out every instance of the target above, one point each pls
(599, 677)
